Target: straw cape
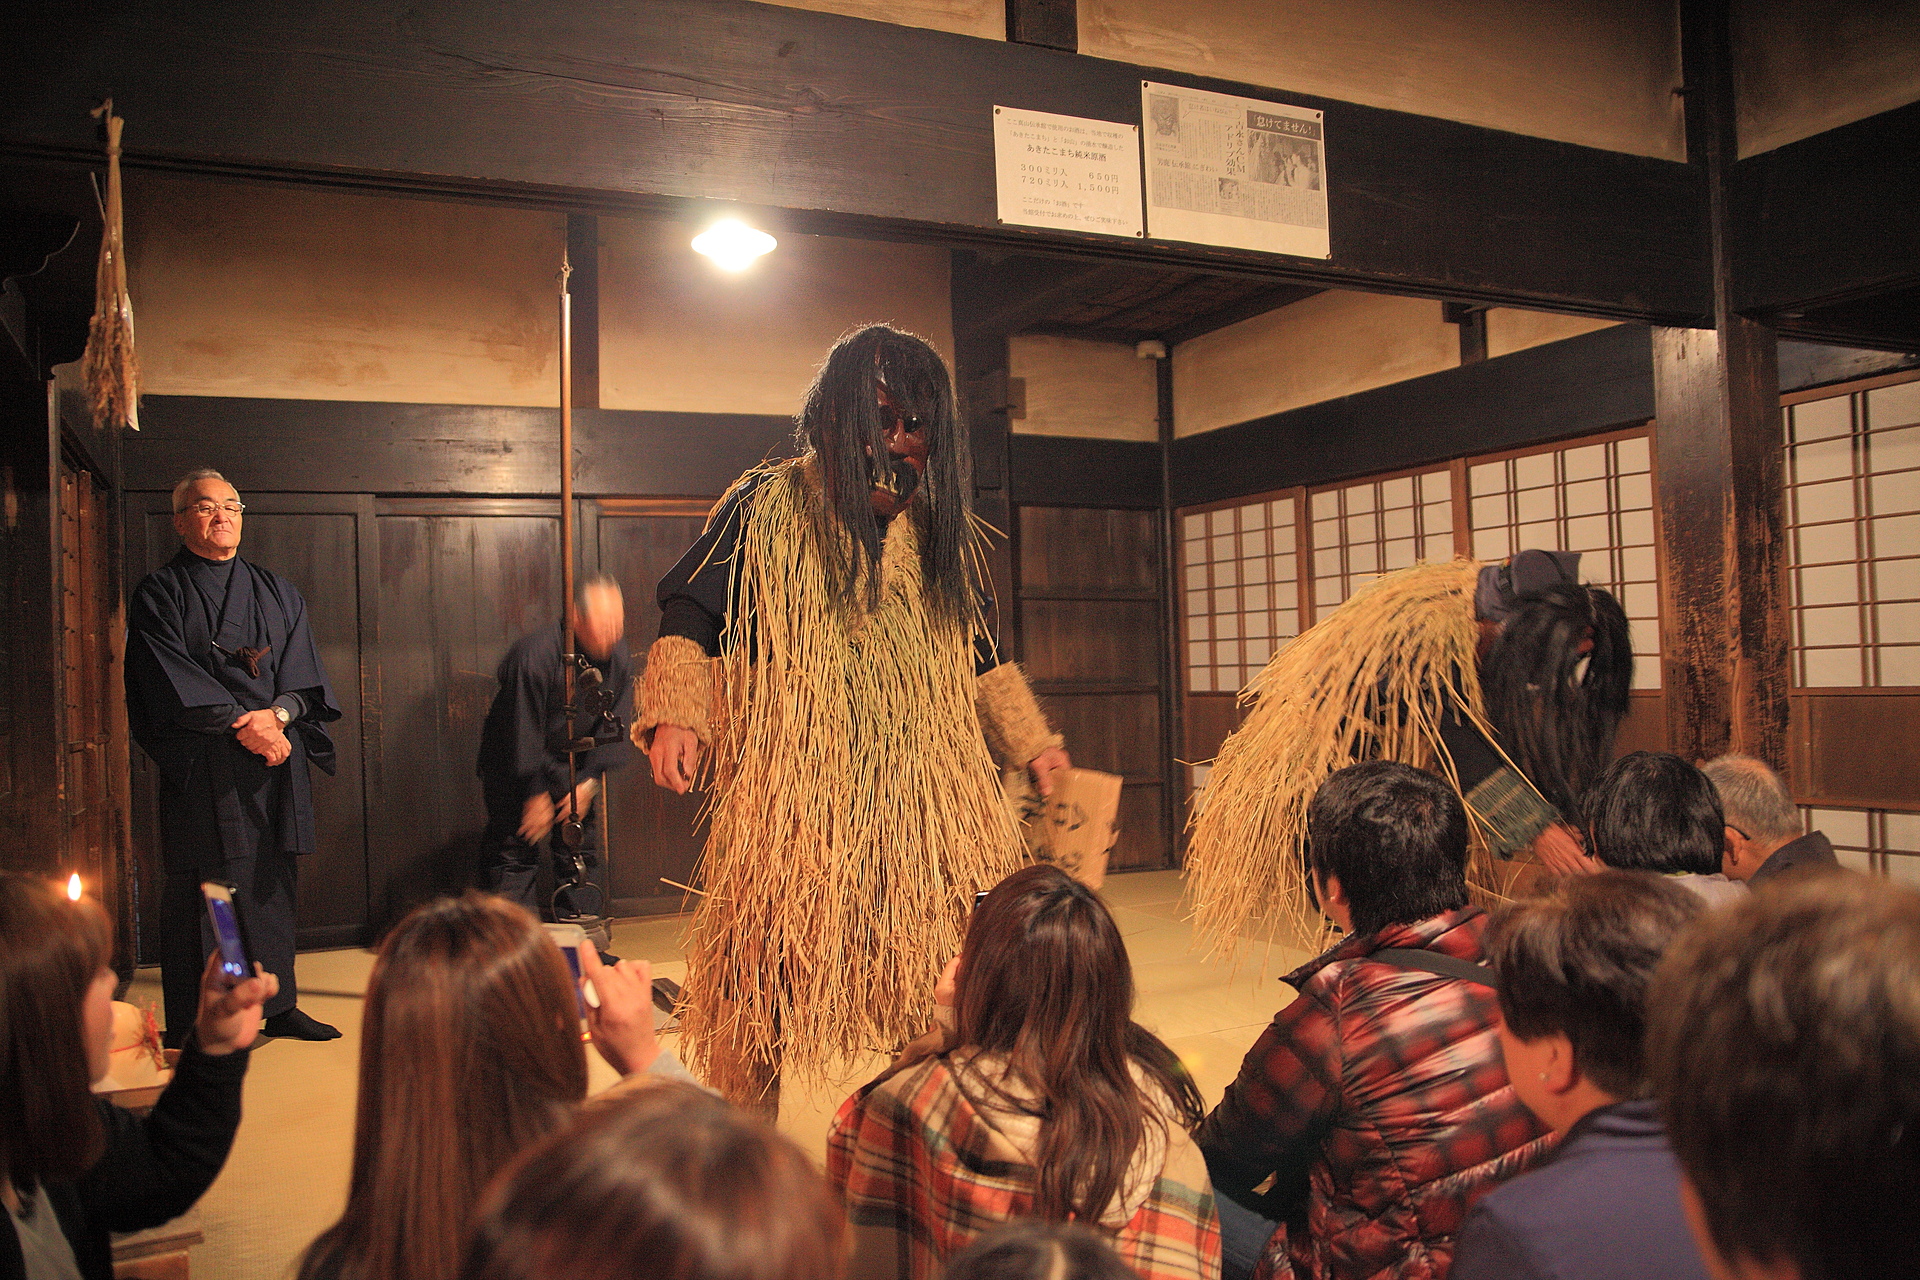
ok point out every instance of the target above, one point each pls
(1371, 681)
(855, 808)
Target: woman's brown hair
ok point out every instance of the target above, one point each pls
(51, 950)
(470, 1052)
(669, 1183)
(1045, 983)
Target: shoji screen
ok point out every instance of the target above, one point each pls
(1591, 496)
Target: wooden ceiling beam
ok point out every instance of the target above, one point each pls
(848, 126)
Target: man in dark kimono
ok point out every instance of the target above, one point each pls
(226, 693)
(523, 748)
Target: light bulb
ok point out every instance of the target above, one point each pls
(73, 887)
(732, 244)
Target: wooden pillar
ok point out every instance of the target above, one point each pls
(1719, 466)
(980, 379)
(1173, 702)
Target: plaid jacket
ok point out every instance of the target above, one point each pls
(925, 1171)
(1380, 1098)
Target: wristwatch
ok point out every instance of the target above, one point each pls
(281, 714)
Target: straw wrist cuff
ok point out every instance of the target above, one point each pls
(1016, 728)
(676, 689)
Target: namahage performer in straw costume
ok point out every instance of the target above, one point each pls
(1508, 680)
(826, 642)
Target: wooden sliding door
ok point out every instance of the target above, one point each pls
(1089, 629)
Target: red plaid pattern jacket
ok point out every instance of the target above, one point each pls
(925, 1170)
(1380, 1095)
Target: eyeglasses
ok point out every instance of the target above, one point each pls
(206, 509)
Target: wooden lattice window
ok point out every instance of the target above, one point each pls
(1853, 522)
(1875, 841)
(1242, 590)
(1594, 496)
(1369, 527)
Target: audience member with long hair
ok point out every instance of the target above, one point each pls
(1574, 968)
(470, 1052)
(666, 1182)
(1042, 1098)
(74, 1167)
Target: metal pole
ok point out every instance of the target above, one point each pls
(568, 660)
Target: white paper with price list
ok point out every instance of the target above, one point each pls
(1067, 173)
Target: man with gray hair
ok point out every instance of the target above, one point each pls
(227, 694)
(1764, 831)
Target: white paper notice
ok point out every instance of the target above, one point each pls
(1235, 171)
(1067, 173)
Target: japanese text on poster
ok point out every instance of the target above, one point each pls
(1067, 173)
(1234, 171)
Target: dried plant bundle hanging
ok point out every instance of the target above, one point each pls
(1372, 681)
(111, 370)
(855, 807)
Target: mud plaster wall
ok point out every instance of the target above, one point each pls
(1802, 67)
(1511, 330)
(1600, 75)
(1098, 390)
(677, 332)
(1332, 344)
(289, 293)
(284, 292)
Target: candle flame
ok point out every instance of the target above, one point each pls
(73, 887)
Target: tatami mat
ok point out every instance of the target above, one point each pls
(287, 1177)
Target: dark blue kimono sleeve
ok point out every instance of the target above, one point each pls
(166, 687)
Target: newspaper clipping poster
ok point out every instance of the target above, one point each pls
(1235, 171)
(1067, 173)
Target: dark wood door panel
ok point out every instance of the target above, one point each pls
(1142, 844)
(1092, 641)
(1210, 718)
(1089, 549)
(455, 592)
(1645, 728)
(1856, 749)
(1112, 732)
(318, 553)
(655, 834)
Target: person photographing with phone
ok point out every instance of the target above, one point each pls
(74, 1167)
(470, 1052)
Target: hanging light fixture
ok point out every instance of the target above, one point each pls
(732, 244)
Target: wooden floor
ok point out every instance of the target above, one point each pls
(287, 1177)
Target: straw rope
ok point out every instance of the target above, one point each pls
(854, 810)
(111, 371)
(1371, 681)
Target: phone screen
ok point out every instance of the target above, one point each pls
(570, 938)
(226, 929)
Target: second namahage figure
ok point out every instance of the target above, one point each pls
(1508, 680)
(826, 656)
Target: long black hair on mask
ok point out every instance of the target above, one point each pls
(842, 424)
(1555, 720)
